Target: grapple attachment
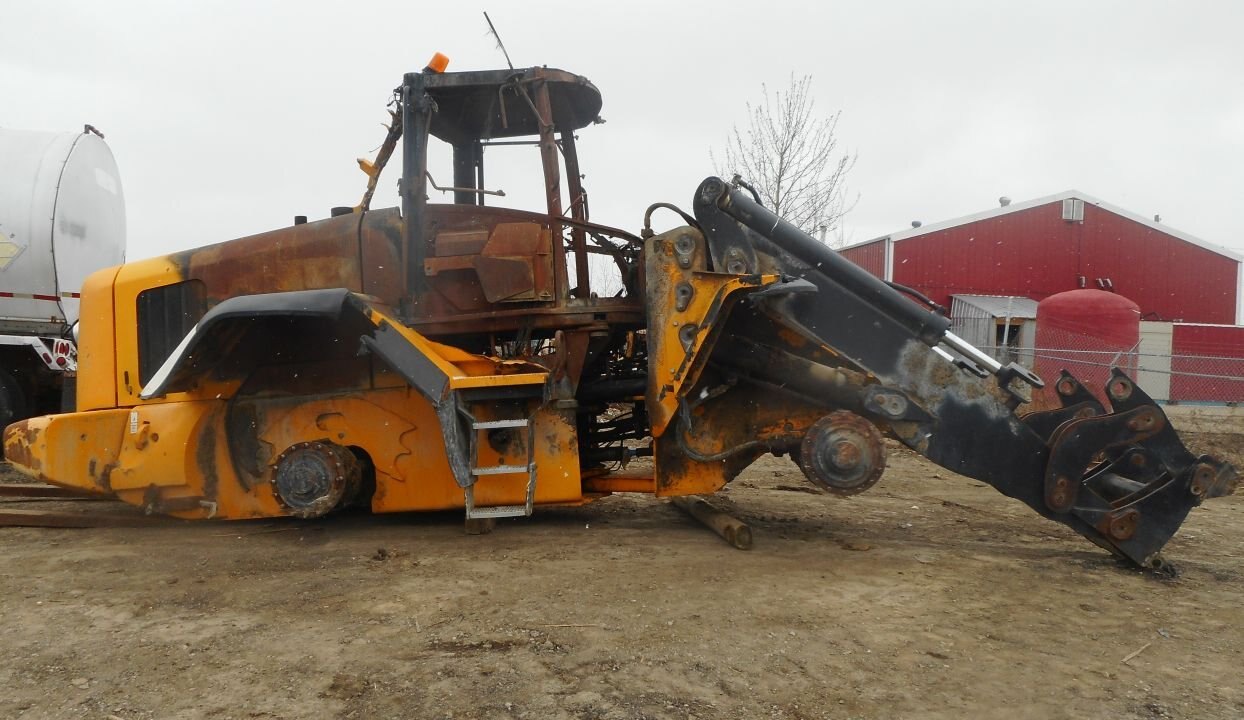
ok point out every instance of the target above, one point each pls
(1124, 472)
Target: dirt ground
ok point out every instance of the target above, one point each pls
(931, 596)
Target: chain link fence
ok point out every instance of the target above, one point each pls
(1167, 378)
(1206, 379)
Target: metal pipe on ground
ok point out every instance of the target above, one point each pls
(57, 519)
(732, 530)
(37, 490)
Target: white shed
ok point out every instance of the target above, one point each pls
(1004, 326)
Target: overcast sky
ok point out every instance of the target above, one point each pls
(229, 118)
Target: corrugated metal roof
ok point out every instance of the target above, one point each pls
(1089, 199)
(1001, 306)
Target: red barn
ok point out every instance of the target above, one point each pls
(1063, 242)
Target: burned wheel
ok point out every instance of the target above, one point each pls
(842, 453)
(312, 478)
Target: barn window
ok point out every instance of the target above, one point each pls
(1073, 210)
(165, 315)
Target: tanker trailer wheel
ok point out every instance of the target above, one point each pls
(312, 478)
(12, 400)
(842, 453)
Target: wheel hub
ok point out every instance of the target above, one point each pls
(312, 478)
(842, 453)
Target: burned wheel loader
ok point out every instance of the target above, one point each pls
(457, 355)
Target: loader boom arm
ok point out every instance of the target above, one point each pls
(1121, 478)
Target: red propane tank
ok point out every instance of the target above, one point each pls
(1085, 332)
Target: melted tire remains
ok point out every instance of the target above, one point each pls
(313, 478)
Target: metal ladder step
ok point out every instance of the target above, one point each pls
(479, 471)
(501, 469)
(494, 424)
(498, 511)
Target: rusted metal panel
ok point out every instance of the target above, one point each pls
(454, 284)
(512, 262)
(434, 266)
(516, 264)
(321, 254)
(459, 243)
(506, 279)
(380, 250)
(456, 301)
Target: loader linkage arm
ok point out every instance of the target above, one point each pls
(1120, 476)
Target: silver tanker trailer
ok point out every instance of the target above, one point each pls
(62, 217)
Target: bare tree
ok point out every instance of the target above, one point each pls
(790, 156)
